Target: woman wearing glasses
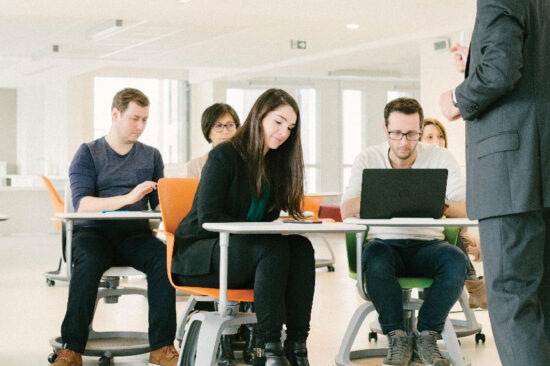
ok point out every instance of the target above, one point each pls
(219, 123)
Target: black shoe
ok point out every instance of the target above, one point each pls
(225, 351)
(249, 343)
(296, 352)
(272, 354)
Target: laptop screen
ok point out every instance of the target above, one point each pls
(388, 193)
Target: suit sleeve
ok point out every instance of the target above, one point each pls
(499, 37)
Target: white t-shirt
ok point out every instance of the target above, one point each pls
(429, 156)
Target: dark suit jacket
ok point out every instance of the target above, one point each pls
(223, 195)
(505, 100)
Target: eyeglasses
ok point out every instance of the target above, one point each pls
(218, 127)
(411, 135)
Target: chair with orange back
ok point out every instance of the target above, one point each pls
(59, 274)
(313, 204)
(200, 340)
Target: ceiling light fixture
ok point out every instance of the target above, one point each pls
(46, 51)
(104, 29)
(352, 26)
(183, 1)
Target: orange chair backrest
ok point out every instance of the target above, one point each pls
(313, 204)
(176, 199)
(57, 202)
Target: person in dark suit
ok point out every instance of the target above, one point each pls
(505, 100)
(252, 177)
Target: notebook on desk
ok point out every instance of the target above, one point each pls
(388, 193)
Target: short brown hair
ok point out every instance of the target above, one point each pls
(405, 106)
(439, 125)
(211, 115)
(122, 99)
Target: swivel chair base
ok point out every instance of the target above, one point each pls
(462, 327)
(59, 274)
(345, 354)
(107, 345)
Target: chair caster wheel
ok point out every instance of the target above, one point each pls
(330, 268)
(480, 337)
(373, 335)
(52, 357)
(104, 361)
(50, 282)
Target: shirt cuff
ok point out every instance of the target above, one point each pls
(455, 103)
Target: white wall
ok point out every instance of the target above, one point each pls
(438, 74)
(8, 119)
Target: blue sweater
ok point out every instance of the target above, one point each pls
(98, 171)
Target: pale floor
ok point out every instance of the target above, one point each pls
(31, 312)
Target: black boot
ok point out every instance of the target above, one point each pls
(272, 354)
(249, 343)
(225, 351)
(296, 352)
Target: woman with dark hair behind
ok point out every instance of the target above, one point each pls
(252, 178)
(219, 122)
(433, 132)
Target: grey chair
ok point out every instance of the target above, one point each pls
(109, 344)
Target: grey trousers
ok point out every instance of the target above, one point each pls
(516, 261)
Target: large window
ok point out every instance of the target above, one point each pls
(353, 128)
(167, 112)
(307, 98)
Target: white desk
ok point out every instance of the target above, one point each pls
(3, 217)
(70, 217)
(325, 194)
(411, 221)
(276, 227)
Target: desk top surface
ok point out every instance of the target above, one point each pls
(3, 217)
(412, 221)
(325, 194)
(111, 215)
(279, 227)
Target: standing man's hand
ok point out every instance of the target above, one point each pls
(448, 108)
(140, 191)
(460, 54)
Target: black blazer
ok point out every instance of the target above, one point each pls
(223, 195)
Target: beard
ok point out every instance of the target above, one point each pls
(403, 153)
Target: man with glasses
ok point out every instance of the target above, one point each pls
(392, 252)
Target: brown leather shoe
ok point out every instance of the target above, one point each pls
(165, 356)
(66, 357)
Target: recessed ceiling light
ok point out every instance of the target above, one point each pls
(352, 26)
(183, 1)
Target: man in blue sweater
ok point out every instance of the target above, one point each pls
(116, 172)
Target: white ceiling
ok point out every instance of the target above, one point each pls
(235, 38)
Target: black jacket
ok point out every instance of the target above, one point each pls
(223, 195)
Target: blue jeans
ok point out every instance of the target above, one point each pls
(386, 260)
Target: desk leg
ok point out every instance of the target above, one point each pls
(224, 245)
(360, 237)
(69, 246)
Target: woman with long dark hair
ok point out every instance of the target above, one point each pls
(252, 178)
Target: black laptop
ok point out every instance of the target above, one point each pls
(388, 193)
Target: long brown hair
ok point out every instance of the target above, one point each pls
(282, 167)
